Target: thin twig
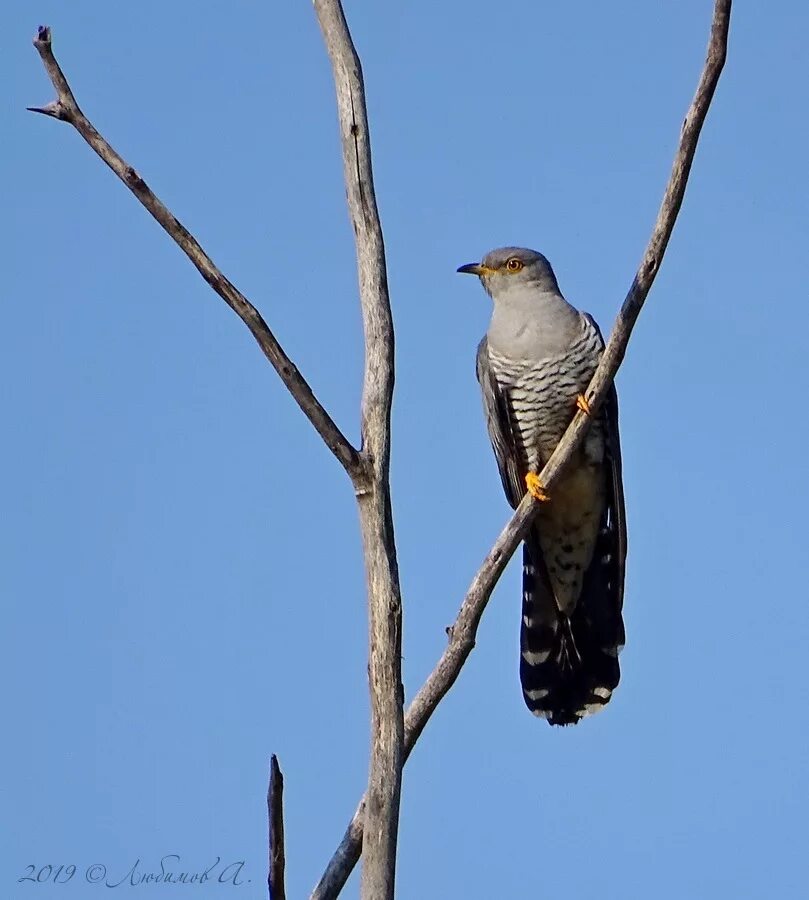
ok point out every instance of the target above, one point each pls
(66, 109)
(275, 812)
(376, 520)
(463, 631)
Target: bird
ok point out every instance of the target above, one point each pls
(534, 365)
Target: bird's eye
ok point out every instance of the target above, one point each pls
(514, 264)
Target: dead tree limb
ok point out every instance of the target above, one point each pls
(66, 109)
(275, 813)
(463, 631)
(381, 816)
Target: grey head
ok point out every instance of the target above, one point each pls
(530, 319)
(509, 269)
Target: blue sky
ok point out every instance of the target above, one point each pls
(180, 553)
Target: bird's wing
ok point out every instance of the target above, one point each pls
(616, 511)
(615, 489)
(609, 558)
(497, 407)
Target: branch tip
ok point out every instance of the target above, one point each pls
(53, 109)
(43, 37)
(275, 814)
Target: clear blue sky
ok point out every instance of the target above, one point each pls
(181, 560)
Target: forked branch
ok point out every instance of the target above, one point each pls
(369, 468)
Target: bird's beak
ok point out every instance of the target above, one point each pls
(473, 269)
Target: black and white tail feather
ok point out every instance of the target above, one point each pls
(569, 665)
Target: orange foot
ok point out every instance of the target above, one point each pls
(583, 404)
(535, 488)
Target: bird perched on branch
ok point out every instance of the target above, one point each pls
(534, 365)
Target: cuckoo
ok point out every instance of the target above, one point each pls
(533, 365)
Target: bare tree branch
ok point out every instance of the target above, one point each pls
(463, 631)
(66, 109)
(369, 469)
(381, 811)
(275, 812)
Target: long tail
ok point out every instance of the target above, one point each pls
(569, 665)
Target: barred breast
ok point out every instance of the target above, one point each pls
(542, 395)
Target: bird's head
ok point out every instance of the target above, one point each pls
(508, 268)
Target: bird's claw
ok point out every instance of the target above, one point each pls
(535, 487)
(583, 404)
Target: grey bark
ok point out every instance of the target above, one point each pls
(381, 818)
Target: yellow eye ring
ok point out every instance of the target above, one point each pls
(514, 264)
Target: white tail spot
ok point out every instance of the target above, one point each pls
(588, 709)
(536, 659)
(539, 694)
